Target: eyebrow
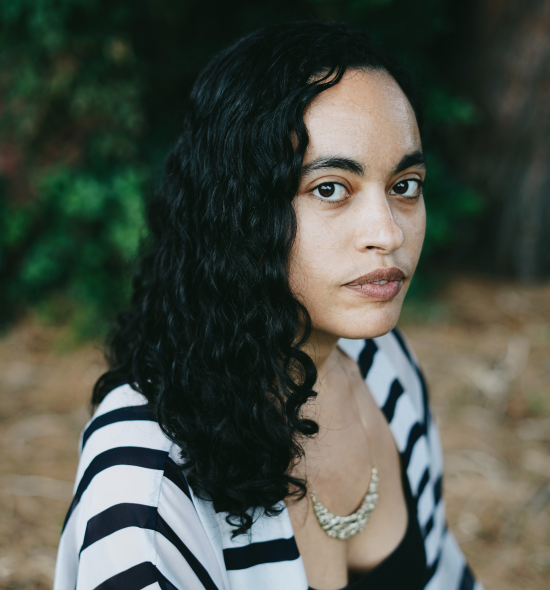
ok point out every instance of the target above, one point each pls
(415, 158)
(323, 162)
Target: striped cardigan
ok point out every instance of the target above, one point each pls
(135, 523)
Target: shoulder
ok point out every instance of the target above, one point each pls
(398, 349)
(389, 366)
(393, 347)
(131, 506)
(122, 433)
(121, 409)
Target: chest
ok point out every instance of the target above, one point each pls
(340, 472)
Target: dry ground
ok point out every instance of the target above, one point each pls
(485, 348)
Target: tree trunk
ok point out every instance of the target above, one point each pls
(508, 156)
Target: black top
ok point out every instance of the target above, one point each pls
(405, 567)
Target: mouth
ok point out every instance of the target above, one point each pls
(382, 284)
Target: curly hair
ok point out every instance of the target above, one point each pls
(214, 336)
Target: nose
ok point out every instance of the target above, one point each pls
(377, 228)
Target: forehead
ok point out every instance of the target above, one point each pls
(365, 116)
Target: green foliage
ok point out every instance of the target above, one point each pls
(75, 241)
(90, 95)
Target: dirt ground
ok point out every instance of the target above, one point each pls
(485, 348)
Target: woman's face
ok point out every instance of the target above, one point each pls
(360, 210)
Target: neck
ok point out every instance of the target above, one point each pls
(321, 347)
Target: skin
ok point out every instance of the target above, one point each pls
(360, 225)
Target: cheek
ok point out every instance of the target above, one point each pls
(414, 228)
(313, 257)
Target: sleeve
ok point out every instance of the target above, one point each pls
(132, 524)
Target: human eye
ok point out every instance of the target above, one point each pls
(410, 188)
(333, 192)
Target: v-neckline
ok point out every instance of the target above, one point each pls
(353, 349)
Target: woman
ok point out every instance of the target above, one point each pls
(263, 425)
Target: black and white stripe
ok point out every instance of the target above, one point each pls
(134, 522)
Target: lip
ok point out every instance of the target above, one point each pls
(364, 286)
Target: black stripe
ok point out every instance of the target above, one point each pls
(425, 396)
(137, 577)
(467, 582)
(194, 563)
(438, 490)
(176, 476)
(134, 578)
(164, 583)
(137, 456)
(240, 558)
(423, 482)
(414, 434)
(396, 390)
(429, 526)
(366, 357)
(401, 341)
(118, 517)
(121, 415)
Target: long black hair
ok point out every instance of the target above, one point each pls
(213, 338)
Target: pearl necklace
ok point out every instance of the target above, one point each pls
(345, 527)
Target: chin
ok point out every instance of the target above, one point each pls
(364, 323)
(360, 330)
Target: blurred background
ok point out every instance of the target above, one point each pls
(91, 98)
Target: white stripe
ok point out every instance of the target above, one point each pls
(66, 565)
(112, 486)
(180, 515)
(115, 431)
(120, 397)
(426, 504)
(450, 567)
(135, 433)
(154, 586)
(173, 566)
(211, 524)
(404, 418)
(380, 377)
(287, 575)
(405, 371)
(432, 542)
(114, 554)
